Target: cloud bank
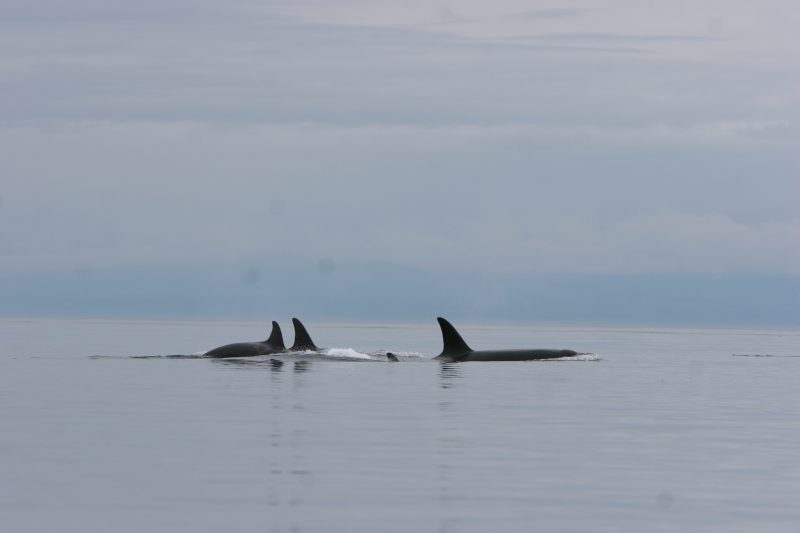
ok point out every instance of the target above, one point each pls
(582, 138)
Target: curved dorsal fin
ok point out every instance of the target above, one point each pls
(302, 340)
(454, 345)
(276, 337)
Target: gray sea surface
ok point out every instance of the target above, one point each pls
(655, 429)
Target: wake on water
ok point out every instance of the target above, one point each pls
(761, 355)
(328, 354)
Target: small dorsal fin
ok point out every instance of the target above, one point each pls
(276, 337)
(454, 345)
(302, 340)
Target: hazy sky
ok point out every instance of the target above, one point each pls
(504, 136)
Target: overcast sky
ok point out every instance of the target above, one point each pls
(500, 137)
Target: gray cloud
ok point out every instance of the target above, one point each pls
(167, 192)
(551, 13)
(179, 133)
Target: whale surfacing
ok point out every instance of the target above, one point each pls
(455, 350)
(302, 340)
(274, 344)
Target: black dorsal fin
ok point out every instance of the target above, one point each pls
(454, 345)
(302, 340)
(276, 337)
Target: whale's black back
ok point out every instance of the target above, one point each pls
(302, 340)
(274, 344)
(276, 337)
(453, 345)
(456, 350)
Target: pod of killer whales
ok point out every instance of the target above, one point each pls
(454, 348)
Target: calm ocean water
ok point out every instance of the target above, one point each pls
(659, 430)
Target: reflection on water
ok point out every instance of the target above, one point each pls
(171, 356)
(301, 366)
(449, 372)
(241, 362)
(275, 365)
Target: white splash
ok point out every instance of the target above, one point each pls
(411, 356)
(345, 353)
(582, 357)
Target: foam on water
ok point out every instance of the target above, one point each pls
(345, 353)
(581, 357)
(350, 354)
(401, 355)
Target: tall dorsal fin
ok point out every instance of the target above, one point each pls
(454, 345)
(302, 340)
(276, 337)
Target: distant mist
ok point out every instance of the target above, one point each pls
(378, 291)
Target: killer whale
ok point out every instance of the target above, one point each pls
(455, 350)
(274, 344)
(302, 340)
